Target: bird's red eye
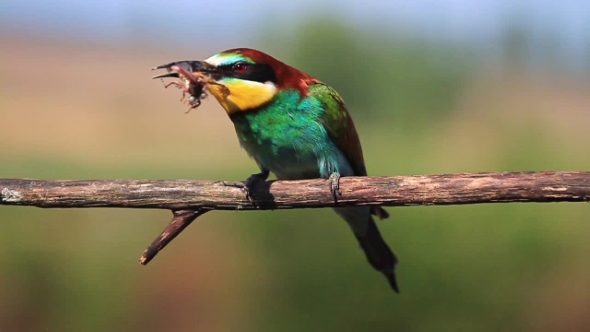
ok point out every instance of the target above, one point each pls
(240, 67)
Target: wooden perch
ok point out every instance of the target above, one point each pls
(189, 199)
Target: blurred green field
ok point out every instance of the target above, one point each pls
(420, 108)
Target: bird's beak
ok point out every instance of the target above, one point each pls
(190, 66)
(196, 79)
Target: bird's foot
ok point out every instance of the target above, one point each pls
(335, 185)
(251, 182)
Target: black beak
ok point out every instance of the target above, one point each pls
(187, 66)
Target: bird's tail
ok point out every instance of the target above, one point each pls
(376, 250)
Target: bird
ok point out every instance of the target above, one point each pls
(293, 125)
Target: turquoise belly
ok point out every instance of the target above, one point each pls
(289, 141)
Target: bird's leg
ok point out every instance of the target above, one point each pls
(253, 179)
(335, 185)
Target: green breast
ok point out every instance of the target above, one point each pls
(286, 137)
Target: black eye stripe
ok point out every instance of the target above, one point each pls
(258, 72)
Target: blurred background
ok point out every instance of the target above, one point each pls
(434, 87)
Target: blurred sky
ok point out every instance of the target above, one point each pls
(181, 20)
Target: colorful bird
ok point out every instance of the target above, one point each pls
(292, 125)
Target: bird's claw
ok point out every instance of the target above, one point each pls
(251, 182)
(335, 185)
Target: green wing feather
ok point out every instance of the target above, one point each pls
(340, 128)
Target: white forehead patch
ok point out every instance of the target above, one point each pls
(226, 59)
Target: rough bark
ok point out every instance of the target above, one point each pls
(188, 199)
(462, 188)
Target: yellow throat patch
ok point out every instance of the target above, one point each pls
(243, 95)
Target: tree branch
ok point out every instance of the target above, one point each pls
(189, 199)
(180, 220)
(461, 188)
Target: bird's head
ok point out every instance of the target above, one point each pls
(243, 79)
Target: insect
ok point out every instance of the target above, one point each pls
(191, 84)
